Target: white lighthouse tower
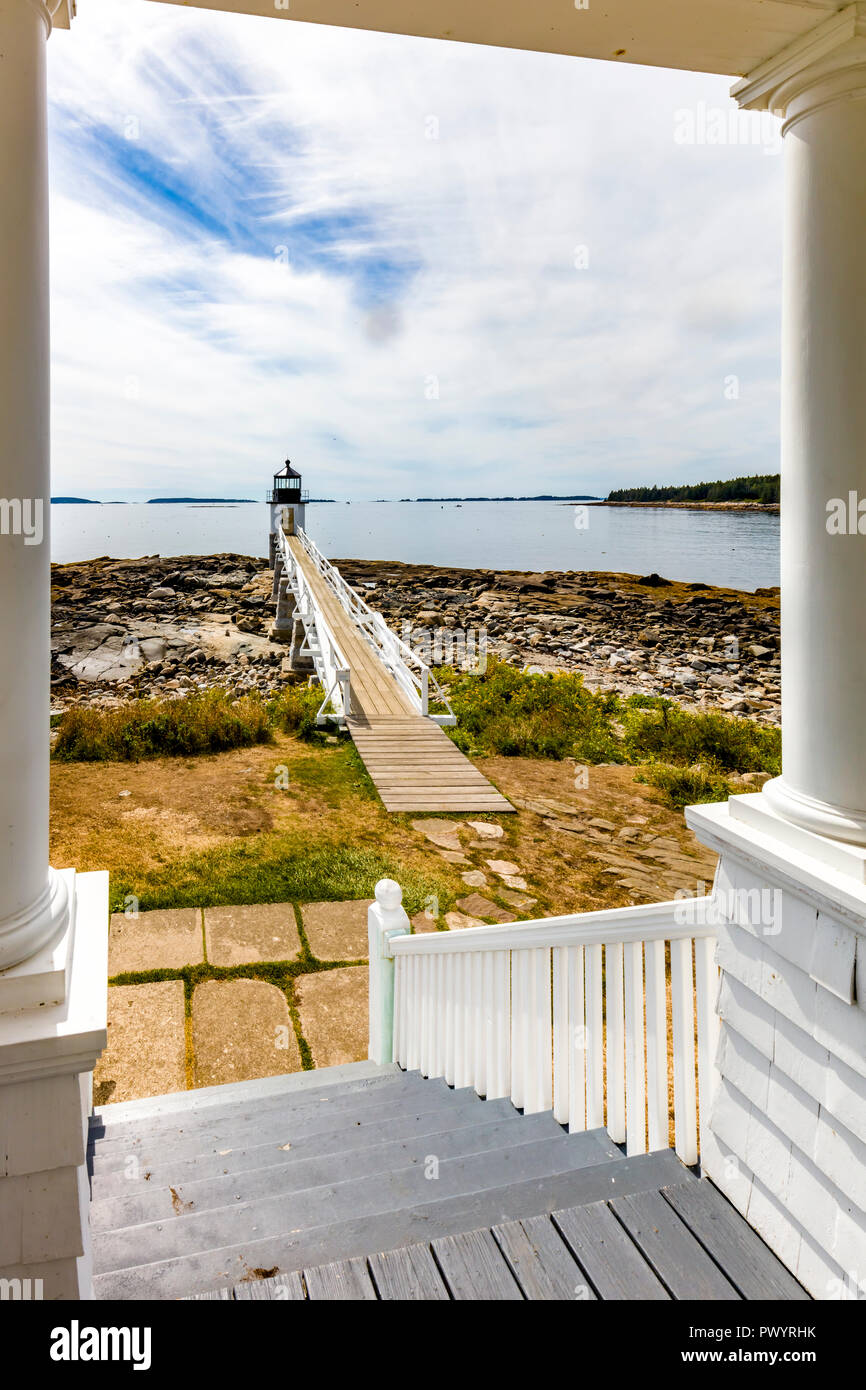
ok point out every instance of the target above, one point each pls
(286, 503)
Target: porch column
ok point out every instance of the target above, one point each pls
(34, 903)
(819, 86)
(53, 926)
(786, 1139)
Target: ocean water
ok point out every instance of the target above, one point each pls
(733, 549)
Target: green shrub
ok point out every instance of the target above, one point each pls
(516, 714)
(669, 734)
(685, 786)
(295, 708)
(209, 722)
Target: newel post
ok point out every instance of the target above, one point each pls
(386, 917)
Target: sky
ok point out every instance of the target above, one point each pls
(416, 268)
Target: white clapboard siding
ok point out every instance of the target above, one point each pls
(570, 1015)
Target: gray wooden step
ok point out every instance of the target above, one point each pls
(162, 1201)
(346, 1140)
(250, 1105)
(297, 1086)
(398, 1190)
(269, 1252)
(579, 1254)
(281, 1125)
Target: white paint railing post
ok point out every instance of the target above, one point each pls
(386, 917)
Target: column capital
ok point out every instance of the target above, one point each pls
(55, 14)
(825, 65)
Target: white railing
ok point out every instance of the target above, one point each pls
(331, 667)
(414, 677)
(601, 1017)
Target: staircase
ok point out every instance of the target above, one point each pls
(205, 1191)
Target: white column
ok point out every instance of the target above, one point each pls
(34, 905)
(819, 85)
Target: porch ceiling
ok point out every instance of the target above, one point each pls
(720, 36)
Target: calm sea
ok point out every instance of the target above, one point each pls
(727, 548)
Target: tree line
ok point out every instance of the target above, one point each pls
(761, 487)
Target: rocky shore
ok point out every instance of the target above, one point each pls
(155, 625)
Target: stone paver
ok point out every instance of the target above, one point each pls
(163, 940)
(486, 830)
(474, 878)
(337, 931)
(423, 921)
(443, 833)
(241, 1029)
(260, 931)
(503, 867)
(146, 1050)
(334, 1012)
(476, 906)
(457, 920)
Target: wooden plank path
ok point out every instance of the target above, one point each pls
(682, 1243)
(413, 764)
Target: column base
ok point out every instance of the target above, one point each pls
(40, 928)
(47, 1053)
(786, 1136)
(821, 817)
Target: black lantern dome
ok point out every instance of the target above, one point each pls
(287, 486)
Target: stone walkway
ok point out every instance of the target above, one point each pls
(225, 1021)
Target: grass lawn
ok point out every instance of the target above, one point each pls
(293, 821)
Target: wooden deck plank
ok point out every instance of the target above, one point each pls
(749, 1264)
(340, 1280)
(286, 1288)
(475, 1269)
(540, 1261)
(409, 1274)
(615, 1266)
(412, 762)
(669, 1246)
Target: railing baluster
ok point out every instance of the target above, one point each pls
(635, 1082)
(500, 1084)
(577, 1041)
(537, 1039)
(656, 1046)
(614, 1041)
(561, 1034)
(683, 1016)
(424, 972)
(461, 1070)
(450, 1017)
(594, 1040)
(706, 988)
(439, 963)
(518, 1028)
(414, 1014)
(400, 1010)
(477, 1016)
(488, 1040)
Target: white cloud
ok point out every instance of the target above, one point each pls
(189, 358)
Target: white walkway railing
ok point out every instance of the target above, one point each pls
(601, 1017)
(414, 677)
(331, 667)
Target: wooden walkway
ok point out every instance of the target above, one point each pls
(684, 1243)
(413, 764)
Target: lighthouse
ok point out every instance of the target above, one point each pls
(286, 502)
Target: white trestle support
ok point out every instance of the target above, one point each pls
(53, 926)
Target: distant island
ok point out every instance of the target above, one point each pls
(153, 500)
(82, 501)
(761, 489)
